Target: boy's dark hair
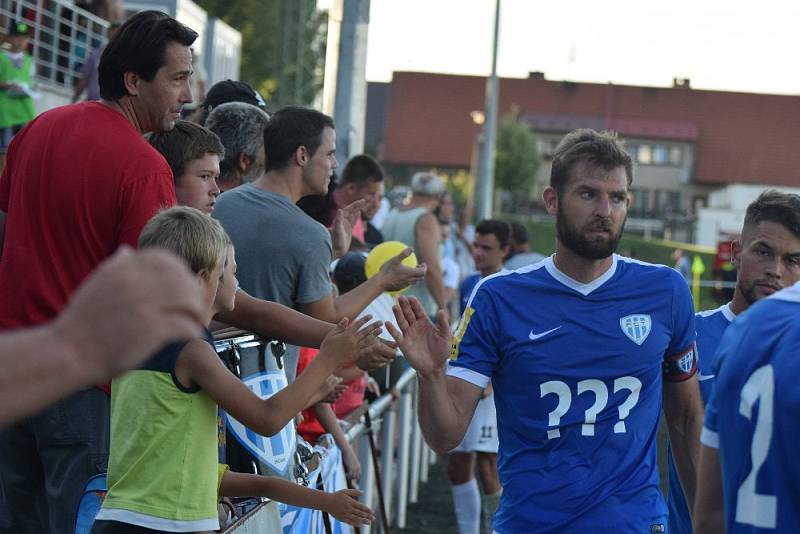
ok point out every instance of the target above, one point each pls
(290, 128)
(139, 46)
(776, 207)
(602, 149)
(500, 230)
(185, 143)
(361, 169)
(519, 234)
(350, 272)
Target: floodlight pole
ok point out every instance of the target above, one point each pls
(486, 167)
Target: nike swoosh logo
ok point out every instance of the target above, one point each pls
(702, 378)
(533, 336)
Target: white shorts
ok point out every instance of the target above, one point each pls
(481, 434)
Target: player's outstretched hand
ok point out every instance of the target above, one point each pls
(395, 276)
(426, 346)
(343, 506)
(344, 342)
(134, 303)
(375, 353)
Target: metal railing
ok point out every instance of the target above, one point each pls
(63, 36)
(402, 457)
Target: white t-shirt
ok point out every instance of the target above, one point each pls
(450, 273)
(381, 310)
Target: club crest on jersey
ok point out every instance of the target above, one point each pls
(637, 327)
(278, 450)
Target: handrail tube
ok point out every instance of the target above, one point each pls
(387, 459)
(367, 482)
(403, 457)
(416, 451)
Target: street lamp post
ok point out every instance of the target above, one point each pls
(485, 192)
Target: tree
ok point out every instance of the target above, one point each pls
(516, 157)
(283, 45)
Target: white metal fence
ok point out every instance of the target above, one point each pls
(400, 453)
(63, 35)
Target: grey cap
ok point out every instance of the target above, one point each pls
(427, 184)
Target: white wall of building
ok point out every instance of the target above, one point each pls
(726, 209)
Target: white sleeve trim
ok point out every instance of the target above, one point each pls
(473, 377)
(709, 438)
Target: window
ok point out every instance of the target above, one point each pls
(675, 155)
(639, 204)
(645, 154)
(660, 155)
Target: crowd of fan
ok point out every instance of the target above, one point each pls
(90, 181)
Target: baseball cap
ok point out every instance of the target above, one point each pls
(350, 269)
(232, 91)
(19, 28)
(427, 184)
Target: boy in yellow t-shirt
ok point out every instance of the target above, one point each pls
(163, 473)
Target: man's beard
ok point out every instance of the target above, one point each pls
(573, 239)
(749, 291)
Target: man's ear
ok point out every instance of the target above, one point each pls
(131, 81)
(301, 156)
(244, 162)
(203, 275)
(550, 197)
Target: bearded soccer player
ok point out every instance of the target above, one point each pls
(579, 349)
(767, 257)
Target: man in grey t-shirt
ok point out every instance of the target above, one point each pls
(283, 254)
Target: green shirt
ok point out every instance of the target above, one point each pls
(162, 470)
(402, 226)
(15, 109)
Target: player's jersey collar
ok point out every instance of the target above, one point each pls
(727, 311)
(580, 287)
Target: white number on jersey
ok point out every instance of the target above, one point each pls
(754, 508)
(600, 390)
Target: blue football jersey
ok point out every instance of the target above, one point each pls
(752, 416)
(466, 288)
(577, 371)
(710, 326)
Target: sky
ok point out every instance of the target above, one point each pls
(725, 45)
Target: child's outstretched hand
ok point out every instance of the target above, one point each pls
(343, 342)
(343, 506)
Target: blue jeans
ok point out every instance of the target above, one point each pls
(46, 460)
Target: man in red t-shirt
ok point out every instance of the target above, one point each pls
(80, 181)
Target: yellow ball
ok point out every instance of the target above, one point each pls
(383, 253)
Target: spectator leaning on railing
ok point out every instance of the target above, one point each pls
(300, 147)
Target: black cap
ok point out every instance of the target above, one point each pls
(350, 270)
(231, 91)
(19, 28)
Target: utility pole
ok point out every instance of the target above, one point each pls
(485, 187)
(344, 94)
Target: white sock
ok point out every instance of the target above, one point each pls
(489, 504)
(467, 505)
